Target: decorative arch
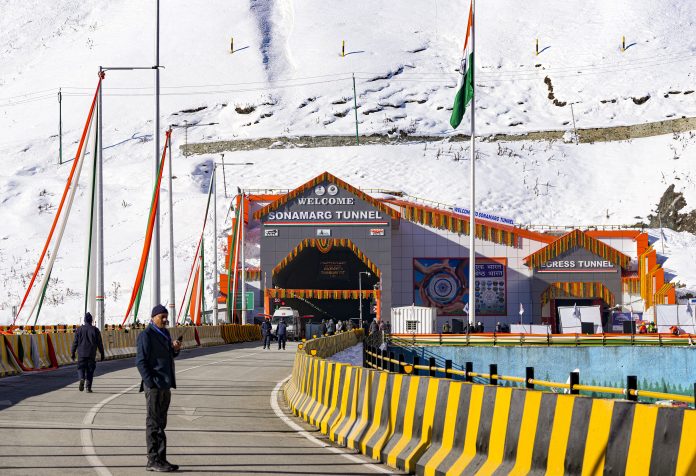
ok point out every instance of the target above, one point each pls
(578, 290)
(324, 245)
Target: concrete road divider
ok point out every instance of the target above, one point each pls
(188, 335)
(8, 365)
(387, 419)
(328, 346)
(434, 426)
(30, 351)
(232, 333)
(210, 335)
(19, 346)
(62, 344)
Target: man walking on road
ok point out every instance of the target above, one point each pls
(155, 362)
(87, 340)
(282, 333)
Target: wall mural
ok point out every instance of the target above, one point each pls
(444, 283)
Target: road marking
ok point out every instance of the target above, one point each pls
(189, 413)
(86, 434)
(275, 394)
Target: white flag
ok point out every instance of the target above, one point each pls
(576, 311)
(521, 309)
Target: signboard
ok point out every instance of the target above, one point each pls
(577, 266)
(572, 318)
(443, 283)
(324, 205)
(332, 269)
(376, 231)
(618, 318)
(249, 300)
(484, 216)
(270, 232)
(323, 232)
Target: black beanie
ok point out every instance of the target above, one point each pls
(159, 309)
(88, 318)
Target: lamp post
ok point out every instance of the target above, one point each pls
(217, 281)
(100, 193)
(360, 294)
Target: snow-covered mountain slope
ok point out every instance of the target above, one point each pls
(287, 76)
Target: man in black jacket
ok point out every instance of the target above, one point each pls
(86, 342)
(282, 333)
(266, 329)
(155, 362)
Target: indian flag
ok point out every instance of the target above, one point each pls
(465, 90)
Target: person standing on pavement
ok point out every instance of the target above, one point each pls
(155, 362)
(266, 329)
(282, 334)
(86, 342)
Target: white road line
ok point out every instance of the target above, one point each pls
(86, 434)
(275, 394)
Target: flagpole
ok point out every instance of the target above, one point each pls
(472, 214)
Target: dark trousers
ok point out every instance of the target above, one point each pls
(281, 341)
(157, 407)
(267, 340)
(85, 369)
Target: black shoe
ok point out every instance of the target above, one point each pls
(82, 385)
(174, 467)
(158, 467)
(89, 389)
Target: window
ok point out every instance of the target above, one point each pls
(411, 326)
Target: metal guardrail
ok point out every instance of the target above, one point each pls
(562, 340)
(387, 360)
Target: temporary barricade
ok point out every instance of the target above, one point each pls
(31, 351)
(431, 425)
(232, 333)
(210, 335)
(187, 334)
(62, 345)
(42, 351)
(8, 366)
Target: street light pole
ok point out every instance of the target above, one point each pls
(360, 294)
(216, 287)
(155, 256)
(101, 321)
(172, 297)
(244, 309)
(100, 193)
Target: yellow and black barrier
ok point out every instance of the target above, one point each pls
(328, 346)
(434, 426)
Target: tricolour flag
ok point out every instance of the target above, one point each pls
(465, 90)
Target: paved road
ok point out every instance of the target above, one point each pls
(221, 420)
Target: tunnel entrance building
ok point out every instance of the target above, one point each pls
(328, 249)
(327, 246)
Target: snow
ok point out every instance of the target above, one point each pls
(287, 68)
(351, 355)
(679, 252)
